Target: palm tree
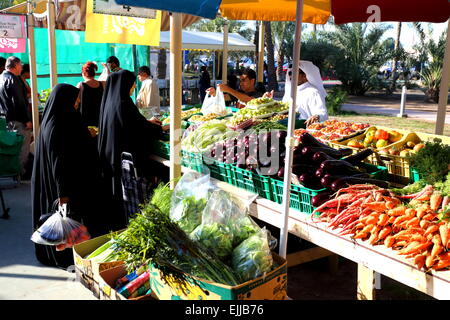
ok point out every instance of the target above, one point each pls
(396, 57)
(271, 72)
(283, 33)
(358, 55)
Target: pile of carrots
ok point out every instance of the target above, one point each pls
(408, 224)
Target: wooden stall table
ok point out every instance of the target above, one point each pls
(370, 259)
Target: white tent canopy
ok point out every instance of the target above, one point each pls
(210, 41)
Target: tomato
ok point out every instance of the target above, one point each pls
(381, 134)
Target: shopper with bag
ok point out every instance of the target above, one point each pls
(248, 89)
(63, 172)
(122, 128)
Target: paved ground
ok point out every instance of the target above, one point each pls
(22, 277)
(380, 103)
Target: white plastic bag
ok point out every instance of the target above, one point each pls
(60, 231)
(214, 104)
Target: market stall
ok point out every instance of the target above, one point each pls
(320, 183)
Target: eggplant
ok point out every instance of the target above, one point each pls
(280, 173)
(331, 153)
(358, 157)
(321, 198)
(308, 140)
(346, 181)
(300, 168)
(320, 156)
(338, 165)
(345, 152)
(309, 181)
(327, 180)
(281, 134)
(320, 173)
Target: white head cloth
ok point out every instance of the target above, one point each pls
(313, 76)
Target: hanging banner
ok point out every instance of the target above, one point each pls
(11, 26)
(102, 28)
(70, 15)
(111, 7)
(14, 45)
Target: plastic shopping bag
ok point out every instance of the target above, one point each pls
(214, 104)
(189, 199)
(60, 231)
(253, 257)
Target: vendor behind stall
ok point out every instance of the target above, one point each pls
(311, 104)
(248, 89)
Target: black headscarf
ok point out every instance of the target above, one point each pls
(59, 168)
(122, 128)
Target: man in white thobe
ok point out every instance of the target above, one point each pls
(310, 104)
(149, 94)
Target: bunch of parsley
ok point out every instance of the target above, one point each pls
(433, 161)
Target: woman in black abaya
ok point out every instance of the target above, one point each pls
(122, 128)
(63, 170)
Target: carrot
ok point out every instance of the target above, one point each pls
(371, 220)
(391, 203)
(384, 232)
(361, 235)
(398, 211)
(424, 224)
(392, 219)
(383, 219)
(429, 216)
(389, 241)
(431, 229)
(379, 206)
(441, 264)
(436, 200)
(373, 238)
(418, 237)
(410, 212)
(429, 261)
(417, 247)
(421, 212)
(437, 249)
(400, 219)
(368, 228)
(413, 222)
(401, 243)
(437, 239)
(419, 260)
(443, 231)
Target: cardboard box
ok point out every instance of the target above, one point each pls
(107, 282)
(87, 271)
(272, 286)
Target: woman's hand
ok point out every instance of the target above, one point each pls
(312, 120)
(268, 95)
(211, 91)
(155, 121)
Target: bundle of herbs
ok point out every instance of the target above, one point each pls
(432, 161)
(153, 238)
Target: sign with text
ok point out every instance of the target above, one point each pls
(111, 7)
(14, 45)
(104, 28)
(11, 26)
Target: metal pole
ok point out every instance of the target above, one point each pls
(214, 67)
(33, 74)
(443, 90)
(260, 74)
(225, 53)
(52, 43)
(175, 96)
(291, 126)
(402, 104)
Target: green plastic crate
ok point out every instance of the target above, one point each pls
(192, 160)
(376, 172)
(219, 170)
(415, 176)
(300, 197)
(252, 182)
(161, 149)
